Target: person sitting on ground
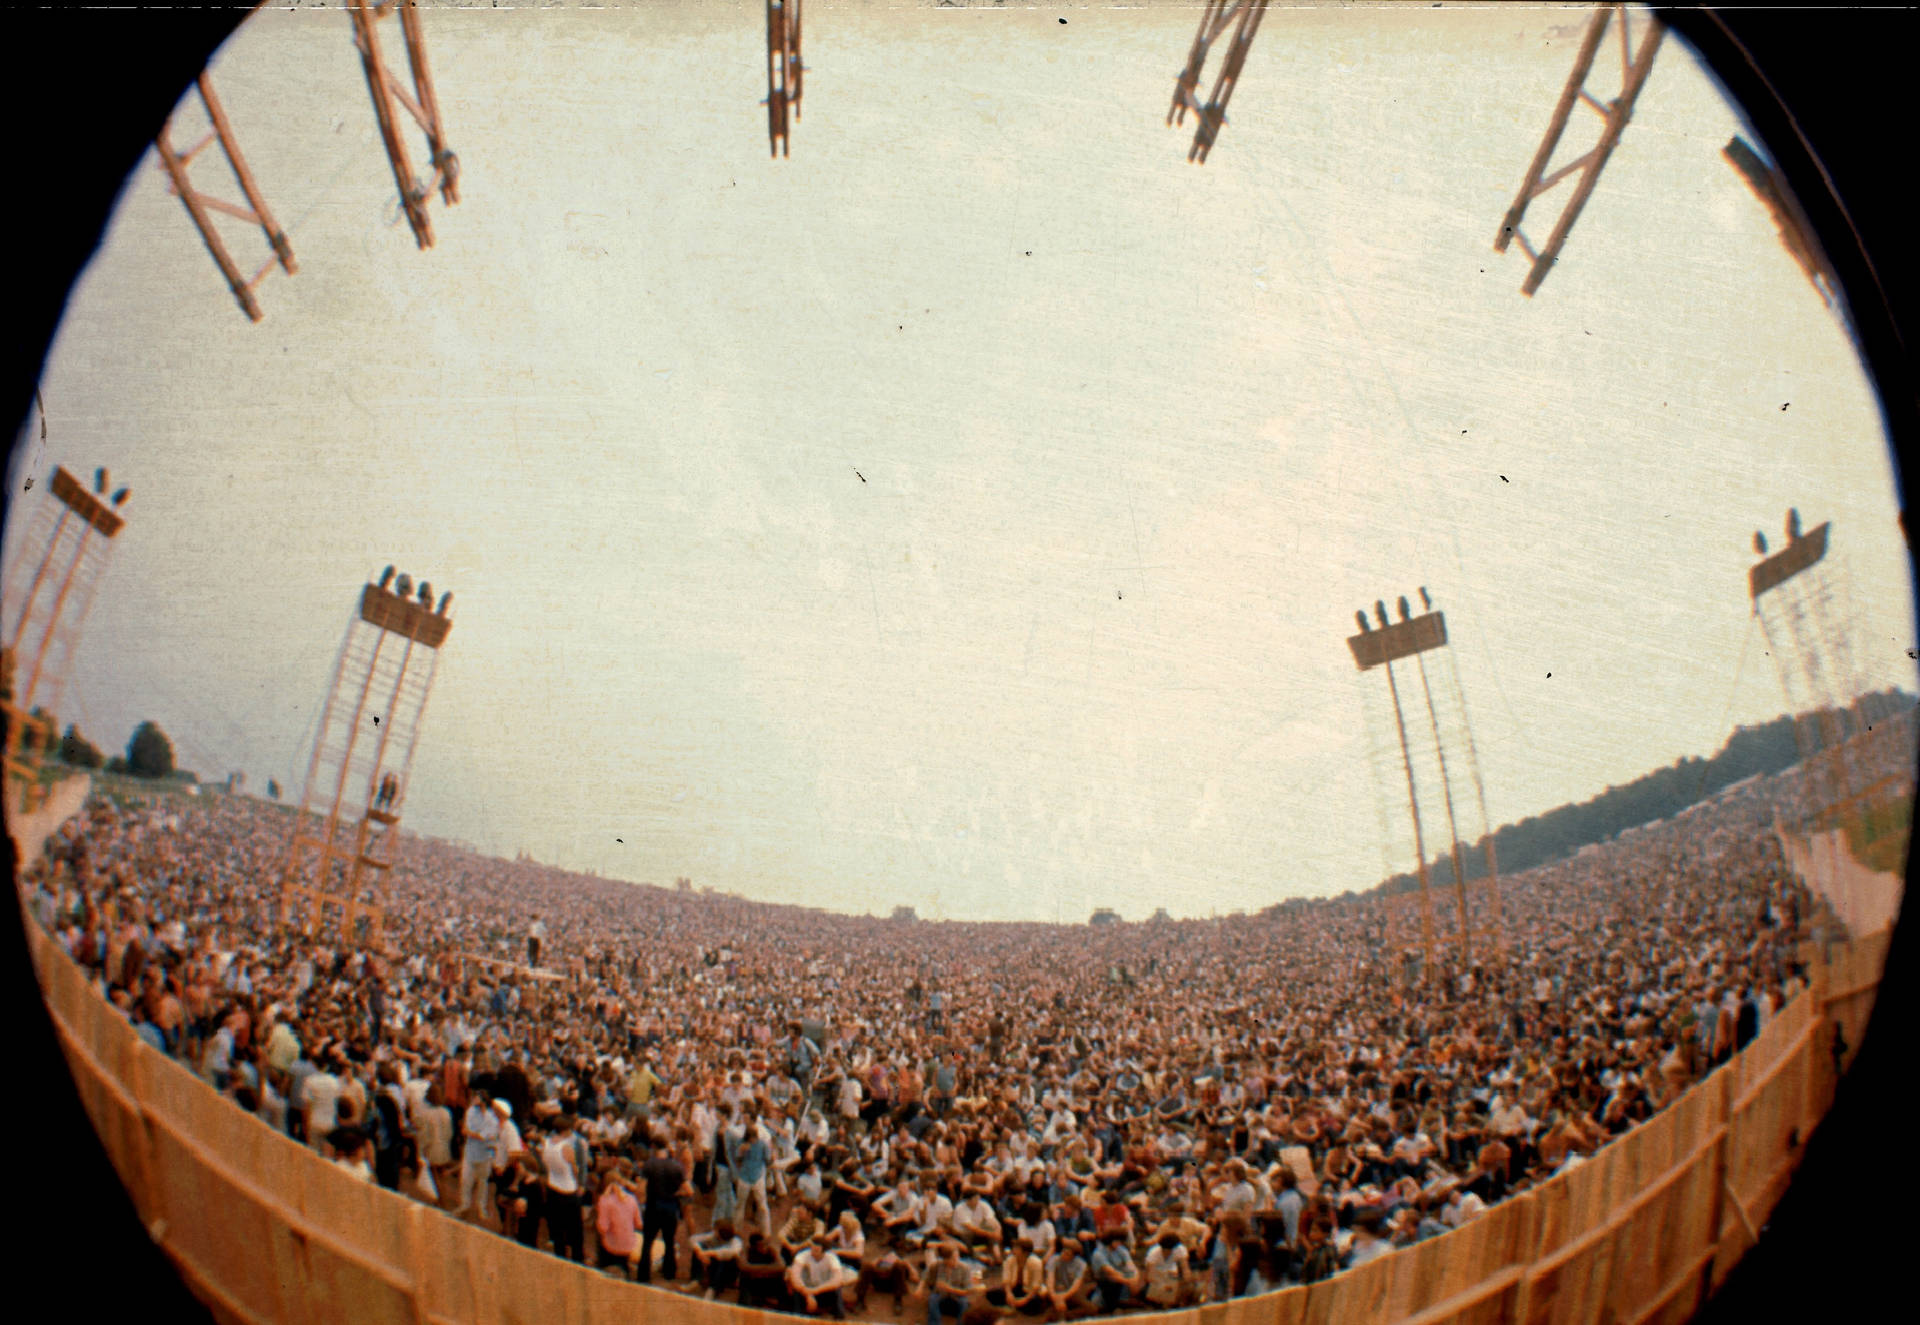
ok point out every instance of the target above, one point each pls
(716, 1258)
(802, 1225)
(899, 1209)
(1116, 1277)
(891, 1274)
(947, 1284)
(763, 1274)
(1069, 1283)
(1022, 1286)
(1168, 1280)
(849, 1242)
(975, 1224)
(936, 1215)
(815, 1279)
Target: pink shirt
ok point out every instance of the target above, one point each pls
(617, 1219)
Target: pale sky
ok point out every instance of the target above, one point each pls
(968, 511)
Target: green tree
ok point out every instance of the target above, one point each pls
(77, 750)
(149, 753)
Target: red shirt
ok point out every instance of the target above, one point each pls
(1111, 1217)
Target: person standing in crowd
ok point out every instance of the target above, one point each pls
(433, 1143)
(666, 1186)
(748, 1162)
(481, 1128)
(536, 936)
(565, 1158)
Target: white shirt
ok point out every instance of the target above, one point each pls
(817, 1270)
(1236, 1196)
(1040, 1234)
(508, 1144)
(1164, 1268)
(936, 1212)
(557, 1153)
(975, 1215)
(321, 1092)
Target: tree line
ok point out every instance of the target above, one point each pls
(1751, 751)
(149, 752)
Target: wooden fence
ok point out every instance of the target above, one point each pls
(263, 1229)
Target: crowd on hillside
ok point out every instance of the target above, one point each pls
(844, 1115)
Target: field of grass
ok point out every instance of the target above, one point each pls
(1878, 834)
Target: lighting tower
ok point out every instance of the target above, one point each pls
(1794, 597)
(1244, 16)
(1635, 65)
(1413, 637)
(199, 205)
(443, 165)
(1796, 232)
(48, 595)
(784, 70)
(390, 97)
(343, 837)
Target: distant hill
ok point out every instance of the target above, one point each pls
(1769, 748)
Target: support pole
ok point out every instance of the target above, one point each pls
(1633, 77)
(412, 196)
(177, 172)
(1557, 125)
(1419, 838)
(230, 146)
(39, 577)
(53, 617)
(1186, 89)
(444, 162)
(1453, 828)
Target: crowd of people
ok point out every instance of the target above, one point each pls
(844, 1115)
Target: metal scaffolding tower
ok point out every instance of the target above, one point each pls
(341, 846)
(1445, 747)
(443, 167)
(784, 70)
(1798, 600)
(200, 205)
(390, 96)
(1635, 64)
(49, 591)
(1244, 17)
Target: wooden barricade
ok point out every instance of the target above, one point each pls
(263, 1229)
